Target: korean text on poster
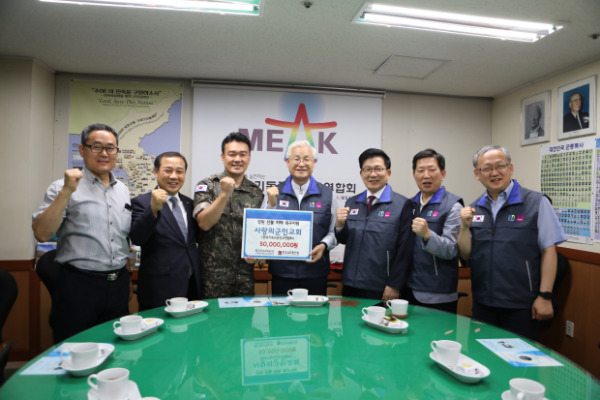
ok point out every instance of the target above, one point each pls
(281, 359)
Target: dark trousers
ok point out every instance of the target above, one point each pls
(349, 291)
(215, 290)
(192, 294)
(516, 320)
(81, 301)
(315, 286)
(408, 295)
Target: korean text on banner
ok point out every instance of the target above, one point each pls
(276, 234)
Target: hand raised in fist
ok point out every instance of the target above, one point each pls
(159, 198)
(466, 216)
(227, 186)
(342, 216)
(420, 227)
(273, 193)
(72, 178)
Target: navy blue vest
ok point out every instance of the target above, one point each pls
(505, 257)
(430, 273)
(317, 199)
(371, 242)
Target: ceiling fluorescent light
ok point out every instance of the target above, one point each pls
(244, 7)
(496, 28)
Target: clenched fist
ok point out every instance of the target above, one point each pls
(342, 216)
(273, 193)
(227, 186)
(158, 200)
(72, 178)
(466, 216)
(420, 227)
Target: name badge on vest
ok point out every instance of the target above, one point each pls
(478, 218)
(283, 203)
(354, 212)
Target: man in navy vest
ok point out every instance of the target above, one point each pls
(510, 236)
(433, 278)
(375, 227)
(301, 191)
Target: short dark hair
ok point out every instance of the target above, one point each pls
(236, 137)
(87, 131)
(370, 153)
(168, 154)
(430, 153)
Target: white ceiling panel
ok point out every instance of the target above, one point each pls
(291, 44)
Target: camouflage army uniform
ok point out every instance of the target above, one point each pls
(224, 273)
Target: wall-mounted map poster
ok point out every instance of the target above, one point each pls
(146, 116)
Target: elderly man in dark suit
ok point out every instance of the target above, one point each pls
(535, 130)
(576, 119)
(163, 225)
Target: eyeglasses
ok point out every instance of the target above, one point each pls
(305, 160)
(488, 169)
(97, 148)
(378, 170)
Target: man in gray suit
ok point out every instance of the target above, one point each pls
(534, 130)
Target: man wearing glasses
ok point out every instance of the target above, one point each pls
(576, 119)
(509, 235)
(90, 212)
(375, 226)
(301, 191)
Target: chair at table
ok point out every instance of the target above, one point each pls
(47, 270)
(8, 295)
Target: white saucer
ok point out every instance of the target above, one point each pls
(105, 350)
(507, 396)
(311, 301)
(483, 370)
(137, 335)
(133, 394)
(197, 307)
(399, 326)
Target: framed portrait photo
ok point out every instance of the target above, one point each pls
(535, 119)
(577, 108)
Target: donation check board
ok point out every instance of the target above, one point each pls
(277, 234)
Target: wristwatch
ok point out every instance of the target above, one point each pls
(546, 295)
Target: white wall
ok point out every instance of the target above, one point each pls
(454, 127)
(506, 117)
(27, 98)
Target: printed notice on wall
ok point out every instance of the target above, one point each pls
(567, 178)
(597, 192)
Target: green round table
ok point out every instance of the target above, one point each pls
(285, 352)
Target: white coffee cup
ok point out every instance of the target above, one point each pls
(399, 307)
(177, 303)
(526, 389)
(447, 352)
(129, 324)
(111, 383)
(372, 340)
(298, 294)
(374, 314)
(83, 355)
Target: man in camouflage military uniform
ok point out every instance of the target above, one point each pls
(219, 203)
